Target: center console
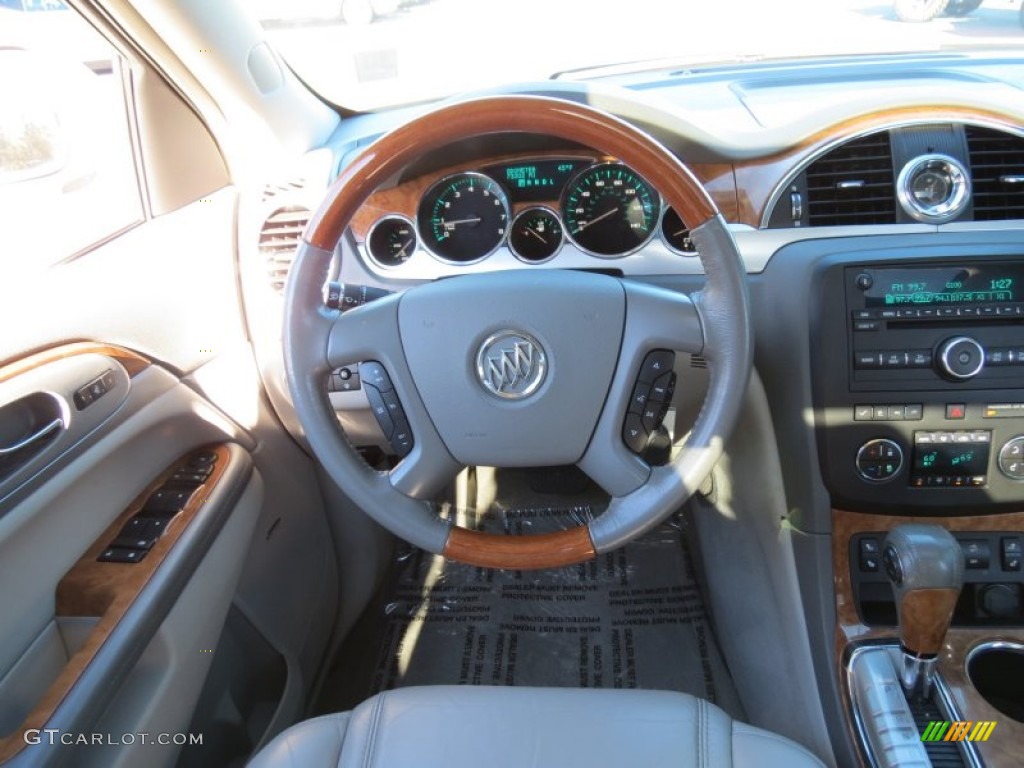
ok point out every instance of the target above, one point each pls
(922, 407)
(918, 384)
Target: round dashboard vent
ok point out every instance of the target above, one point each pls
(934, 188)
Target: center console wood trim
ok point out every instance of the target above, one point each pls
(1005, 748)
(107, 590)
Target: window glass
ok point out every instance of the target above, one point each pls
(67, 170)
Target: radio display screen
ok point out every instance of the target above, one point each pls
(945, 286)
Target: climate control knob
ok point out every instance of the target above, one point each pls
(961, 358)
(879, 461)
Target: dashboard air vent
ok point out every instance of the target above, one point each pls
(853, 184)
(997, 174)
(279, 188)
(279, 239)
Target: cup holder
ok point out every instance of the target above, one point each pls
(996, 671)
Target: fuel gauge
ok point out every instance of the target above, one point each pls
(391, 241)
(536, 235)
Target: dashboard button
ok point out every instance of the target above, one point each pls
(881, 413)
(894, 359)
(976, 554)
(956, 410)
(863, 412)
(914, 412)
(867, 360)
(1010, 553)
(919, 358)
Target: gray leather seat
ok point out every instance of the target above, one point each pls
(469, 727)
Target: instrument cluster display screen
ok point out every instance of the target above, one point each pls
(945, 286)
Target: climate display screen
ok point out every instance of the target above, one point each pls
(945, 286)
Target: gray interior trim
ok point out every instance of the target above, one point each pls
(98, 684)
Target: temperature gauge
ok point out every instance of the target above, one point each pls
(391, 241)
(536, 235)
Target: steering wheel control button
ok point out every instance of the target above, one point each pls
(386, 407)
(652, 396)
(961, 358)
(657, 363)
(344, 379)
(381, 412)
(511, 365)
(373, 373)
(663, 388)
(633, 433)
(1011, 458)
(879, 461)
(641, 394)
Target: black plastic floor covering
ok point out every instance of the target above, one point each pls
(633, 618)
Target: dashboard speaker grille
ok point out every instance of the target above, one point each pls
(279, 239)
(853, 184)
(997, 173)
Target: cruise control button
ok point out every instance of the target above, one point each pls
(380, 409)
(633, 433)
(655, 364)
(401, 437)
(373, 373)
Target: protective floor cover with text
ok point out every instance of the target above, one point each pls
(633, 618)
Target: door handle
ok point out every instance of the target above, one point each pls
(35, 437)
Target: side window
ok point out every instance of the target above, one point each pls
(68, 176)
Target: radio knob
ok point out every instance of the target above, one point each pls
(961, 358)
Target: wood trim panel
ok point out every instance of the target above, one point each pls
(757, 179)
(132, 362)
(548, 550)
(108, 590)
(528, 114)
(1005, 748)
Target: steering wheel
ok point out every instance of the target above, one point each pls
(571, 344)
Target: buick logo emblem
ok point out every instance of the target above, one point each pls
(511, 365)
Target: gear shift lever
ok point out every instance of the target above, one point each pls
(926, 567)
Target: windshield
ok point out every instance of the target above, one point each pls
(369, 54)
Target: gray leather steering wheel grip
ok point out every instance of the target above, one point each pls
(595, 327)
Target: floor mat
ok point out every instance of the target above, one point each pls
(633, 618)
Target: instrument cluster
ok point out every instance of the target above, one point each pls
(532, 207)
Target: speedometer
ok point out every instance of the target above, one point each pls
(609, 210)
(463, 218)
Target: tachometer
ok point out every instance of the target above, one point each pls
(463, 218)
(609, 210)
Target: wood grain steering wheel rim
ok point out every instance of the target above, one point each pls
(306, 320)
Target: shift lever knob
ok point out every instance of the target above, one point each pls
(926, 567)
